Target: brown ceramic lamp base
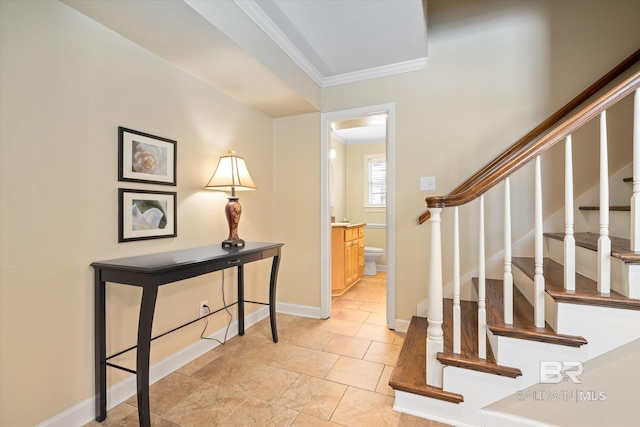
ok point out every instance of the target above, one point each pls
(233, 211)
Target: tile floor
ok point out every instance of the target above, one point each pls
(332, 372)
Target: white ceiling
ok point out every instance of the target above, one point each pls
(274, 55)
(342, 41)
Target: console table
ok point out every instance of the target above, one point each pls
(151, 271)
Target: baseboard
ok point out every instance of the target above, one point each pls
(402, 325)
(298, 310)
(84, 412)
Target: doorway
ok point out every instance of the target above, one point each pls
(327, 119)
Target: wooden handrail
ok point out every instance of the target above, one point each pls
(529, 153)
(536, 132)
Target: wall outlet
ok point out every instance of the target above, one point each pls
(203, 308)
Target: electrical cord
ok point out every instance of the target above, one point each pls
(226, 308)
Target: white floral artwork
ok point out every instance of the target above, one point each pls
(146, 214)
(146, 158)
(144, 217)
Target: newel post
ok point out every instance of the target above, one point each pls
(435, 335)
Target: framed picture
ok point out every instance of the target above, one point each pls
(146, 158)
(144, 214)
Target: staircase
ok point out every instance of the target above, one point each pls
(540, 326)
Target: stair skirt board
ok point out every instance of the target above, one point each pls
(453, 414)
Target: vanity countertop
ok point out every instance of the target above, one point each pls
(346, 224)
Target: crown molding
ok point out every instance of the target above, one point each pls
(372, 73)
(251, 8)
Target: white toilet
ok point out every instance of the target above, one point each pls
(371, 255)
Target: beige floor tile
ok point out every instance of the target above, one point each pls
(209, 402)
(373, 307)
(353, 315)
(199, 363)
(256, 413)
(383, 385)
(356, 372)
(259, 380)
(309, 338)
(384, 353)
(407, 420)
(342, 327)
(169, 392)
(377, 319)
(347, 346)
(313, 396)
(304, 360)
(346, 303)
(362, 408)
(376, 333)
(305, 420)
(399, 339)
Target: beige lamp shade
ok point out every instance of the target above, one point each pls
(231, 174)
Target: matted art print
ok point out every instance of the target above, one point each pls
(145, 214)
(146, 158)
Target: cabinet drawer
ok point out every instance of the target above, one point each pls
(350, 234)
(361, 232)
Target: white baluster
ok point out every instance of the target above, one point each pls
(569, 239)
(456, 282)
(435, 336)
(538, 279)
(635, 199)
(604, 242)
(508, 276)
(482, 313)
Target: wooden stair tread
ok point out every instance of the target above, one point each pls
(611, 208)
(586, 292)
(409, 374)
(523, 326)
(468, 357)
(620, 248)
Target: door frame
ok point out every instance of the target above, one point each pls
(325, 215)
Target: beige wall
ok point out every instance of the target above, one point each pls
(495, 70)
(67, 83)
(297, 208)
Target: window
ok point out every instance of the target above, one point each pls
(375, 180)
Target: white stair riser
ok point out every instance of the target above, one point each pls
(619, 223)
(586, 264)
(604, 328)
(525, 285)
(479, 388)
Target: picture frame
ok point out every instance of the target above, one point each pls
(146, 214)
(143, 157)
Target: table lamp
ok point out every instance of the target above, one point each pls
(231, 174)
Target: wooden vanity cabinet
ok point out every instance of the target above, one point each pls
(347, 256)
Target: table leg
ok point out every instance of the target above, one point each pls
(240, 300)
(272, 296)
(147, 307)
(100, 343)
